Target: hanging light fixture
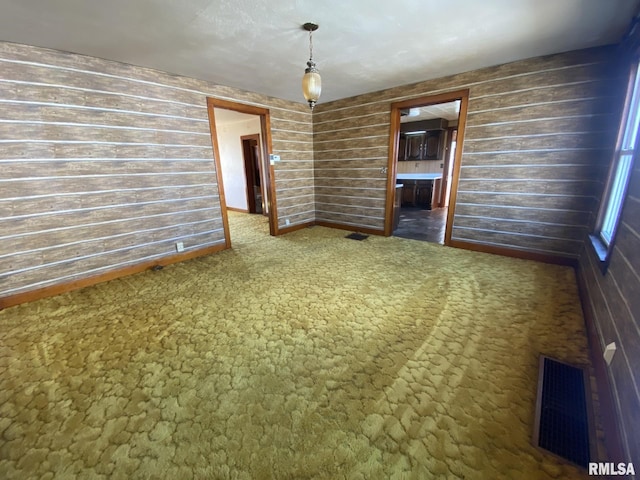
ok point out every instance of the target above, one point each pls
(311, 82)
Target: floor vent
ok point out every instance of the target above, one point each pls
(357, 236)
(562, 412)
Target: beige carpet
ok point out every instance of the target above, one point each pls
(298, 357)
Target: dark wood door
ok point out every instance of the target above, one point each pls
(251, 153)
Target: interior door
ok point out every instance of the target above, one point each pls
(251, 153)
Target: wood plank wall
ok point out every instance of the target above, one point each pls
(612, 303)
(531, 153)
(104, 165)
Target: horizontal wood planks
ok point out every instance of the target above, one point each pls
(532, 159)
(292, 134)
(613, 304)
(104, 166)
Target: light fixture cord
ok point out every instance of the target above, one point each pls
(310, 45)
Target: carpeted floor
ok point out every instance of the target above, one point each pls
(306, 356)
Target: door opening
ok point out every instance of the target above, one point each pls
(253, 172)
(248, 181)
(424, 163)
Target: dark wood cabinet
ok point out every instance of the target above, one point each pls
(414, 147)
(421, 146)
(433, 145)
(419, 193)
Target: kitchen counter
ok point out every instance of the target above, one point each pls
(418, 176)
(420, 189)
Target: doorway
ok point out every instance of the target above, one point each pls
(424, 164)
(253, 172)
(257, 173)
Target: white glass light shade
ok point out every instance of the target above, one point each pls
(311, 87)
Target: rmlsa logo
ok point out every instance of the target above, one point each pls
(611, 468)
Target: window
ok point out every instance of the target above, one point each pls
(621, 166)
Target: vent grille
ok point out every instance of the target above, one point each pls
(562, 412)
(357, 236)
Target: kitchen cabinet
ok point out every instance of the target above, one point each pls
(422, 140)
(420, 190)
(421, 146)
(413, 148)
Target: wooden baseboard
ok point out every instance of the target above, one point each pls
(52, 290)
(351, 228)
(515, 253)
(293, 228)
(613, 440)
(241, 210)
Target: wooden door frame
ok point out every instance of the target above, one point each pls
(249, 172)
(394, 137)
(447, 161)
(267, 148)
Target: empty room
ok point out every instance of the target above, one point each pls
(336, 240)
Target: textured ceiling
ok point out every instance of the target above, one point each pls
(361, 46)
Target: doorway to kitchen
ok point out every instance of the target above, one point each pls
(424, 163)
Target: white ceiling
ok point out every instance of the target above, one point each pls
(225, 117)
(361, 45)
(448, 110)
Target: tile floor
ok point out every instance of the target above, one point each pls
(419, 224)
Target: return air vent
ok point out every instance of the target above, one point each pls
(562, 412)
(357, 236)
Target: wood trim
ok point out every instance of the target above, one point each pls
(351, 228)
(241, 210)
(216, 159)
(237, 106)
(392, 167)
(447, 161)
(515, 253)
(457, 161)
(52, 290)
(269, 175)
(607, 410)
(394, 136)
(293, 228)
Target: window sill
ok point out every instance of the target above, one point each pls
(602, 252)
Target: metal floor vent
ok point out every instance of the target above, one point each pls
(357, 236)
(562, 412)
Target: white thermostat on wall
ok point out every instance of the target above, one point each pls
(274, 158)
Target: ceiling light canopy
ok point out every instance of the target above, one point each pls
(311, 82)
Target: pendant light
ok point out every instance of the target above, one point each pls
(311, 82)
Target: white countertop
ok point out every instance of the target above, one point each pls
(418, 176)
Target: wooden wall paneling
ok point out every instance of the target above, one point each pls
(550, 157)
(112, 159)
(524, 214)
(542, 124)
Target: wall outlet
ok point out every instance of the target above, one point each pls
(383, 170)
(609, 351)
(442, 165)
(287, 221)
(179, 247)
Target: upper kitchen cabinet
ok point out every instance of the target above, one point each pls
(422, 140)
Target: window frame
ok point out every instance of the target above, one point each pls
(602, 247)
